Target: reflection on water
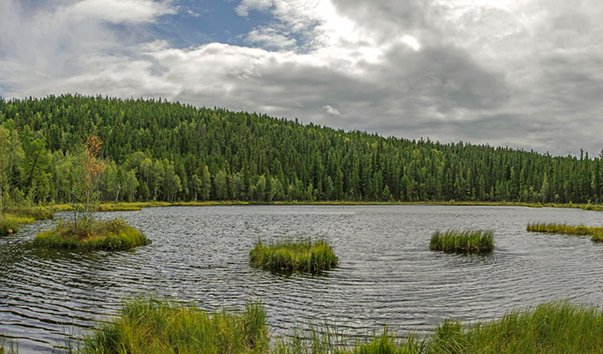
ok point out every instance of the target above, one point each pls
(387, 275)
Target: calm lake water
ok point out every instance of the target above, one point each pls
(387, 275)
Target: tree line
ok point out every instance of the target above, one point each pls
(157, 150)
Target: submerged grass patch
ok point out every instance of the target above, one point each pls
(109, 235)
(596, 232)
(157, 326)
(464, 242)
(294, 256)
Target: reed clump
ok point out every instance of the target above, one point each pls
(294, 256)
(158, 326)
(463, 242)
(111, 235)
(596, 232)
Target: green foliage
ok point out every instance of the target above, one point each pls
(294, 256)
(156, 326)
(549, 328)
(109, 235)
(159, 151)
(10, 222)
(464, 242)
(578, 230)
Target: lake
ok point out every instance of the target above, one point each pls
(387, 275)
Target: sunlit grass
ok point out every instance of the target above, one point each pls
(158, 326)
(464, 242)
(109, 235)
(549, 328)
(294, 256)
(596, 232)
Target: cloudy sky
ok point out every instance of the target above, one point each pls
(520, 73)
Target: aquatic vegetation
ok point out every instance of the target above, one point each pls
(294, 256)
(552, 327)
(110, 235)
(578, 230)
(10, 223)
(464, 242)
(159, 326)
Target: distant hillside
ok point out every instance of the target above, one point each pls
(157, 150)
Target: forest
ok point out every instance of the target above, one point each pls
(158, 150)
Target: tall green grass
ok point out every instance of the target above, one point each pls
(549, 328)
(109, 235)
(464, 242)
(294, 256)
(158, 326)
(596, 232)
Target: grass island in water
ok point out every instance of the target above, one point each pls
(596, 232)
(294, 256)
(463, 242)
(157, 326)
(111, 235)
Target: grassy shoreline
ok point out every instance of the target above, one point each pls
(596, 232)
(158, 326)
(135, 206)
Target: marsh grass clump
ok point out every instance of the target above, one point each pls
(294, 256)
(549, 328)
(464, 242)
(159, 326)
(596, 232)
(10, 223)
(111, 235)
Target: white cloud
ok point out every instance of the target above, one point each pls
(248, 5)
(268, 37)
(333, 111)
(119, 11)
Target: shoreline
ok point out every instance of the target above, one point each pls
(135, 206)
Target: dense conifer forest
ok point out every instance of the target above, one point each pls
(156, 150)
